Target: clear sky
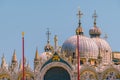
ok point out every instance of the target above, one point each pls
(35, 16)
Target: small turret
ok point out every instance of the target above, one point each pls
(3, 64)
(14, 60)
(36, 55)
(20, 65)
(36, 59)
(28, 65)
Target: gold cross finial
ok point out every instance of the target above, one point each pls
(48, 35)
(79, 15)
(95, 16)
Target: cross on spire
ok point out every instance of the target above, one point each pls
(79, 16)
(48, 35)
(95, 16)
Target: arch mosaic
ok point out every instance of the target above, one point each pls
(88, 73)
(55, 64)
(111, 74)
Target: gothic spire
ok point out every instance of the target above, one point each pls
(28, 65)
(20, 65)
(3, 64)
(36, 55)
(14, 58)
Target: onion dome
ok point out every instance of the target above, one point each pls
(95, 31)
(87, 47)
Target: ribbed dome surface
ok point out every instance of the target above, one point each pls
(87, 47)
(102, 44)
(105, 49)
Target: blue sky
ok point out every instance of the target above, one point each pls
(35, 16)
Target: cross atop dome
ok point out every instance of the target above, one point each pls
(79, 15)
(48, 35)
(95, 17)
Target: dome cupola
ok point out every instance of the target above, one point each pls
(87, 47)
(103, 46)
(95, 31)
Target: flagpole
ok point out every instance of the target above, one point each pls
(78, 58)
(23, 54)
(79, 32)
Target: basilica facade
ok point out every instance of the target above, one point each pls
(97, 60)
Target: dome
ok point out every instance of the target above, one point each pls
(102, 44)
(87, 47)
(95, 31)
(104, 48)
